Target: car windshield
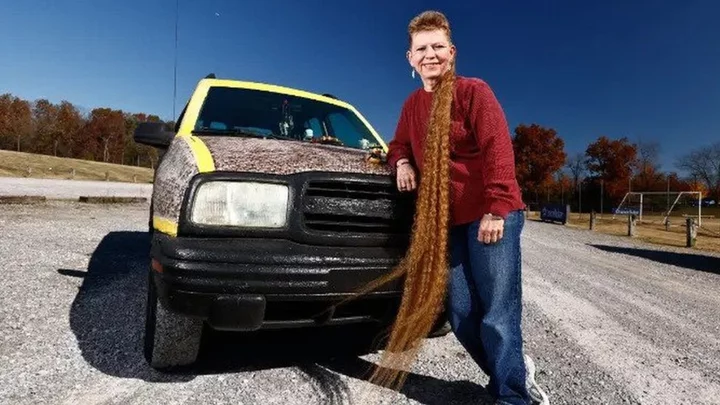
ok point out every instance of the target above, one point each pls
(237, 112)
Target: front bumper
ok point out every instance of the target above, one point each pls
(245, 284)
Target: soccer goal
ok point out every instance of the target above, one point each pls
(661, 205)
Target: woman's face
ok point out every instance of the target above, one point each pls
(431, 53)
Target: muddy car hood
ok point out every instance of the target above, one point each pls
(235, 154)
(275, 156)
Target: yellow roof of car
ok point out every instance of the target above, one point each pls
(273, 88)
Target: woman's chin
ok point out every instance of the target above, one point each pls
(434, 74)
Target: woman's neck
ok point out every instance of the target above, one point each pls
(429, 85)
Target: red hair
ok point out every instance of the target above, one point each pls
(425, 265)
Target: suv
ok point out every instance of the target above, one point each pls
(269, 205)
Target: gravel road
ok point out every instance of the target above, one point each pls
(609, 321)
(57, 188)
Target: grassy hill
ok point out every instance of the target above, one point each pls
(19, 164)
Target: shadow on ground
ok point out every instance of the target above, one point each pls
(108, 314)
(706, 263)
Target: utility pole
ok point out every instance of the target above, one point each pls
(667, 196)
(602, 196)
(580, 199)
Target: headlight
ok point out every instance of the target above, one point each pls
(236, 203)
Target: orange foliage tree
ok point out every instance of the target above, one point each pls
(63, 130)
(539, 154)
(15, 122)
(613, 161)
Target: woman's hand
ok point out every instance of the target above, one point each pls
(406, 177)
(491, 229)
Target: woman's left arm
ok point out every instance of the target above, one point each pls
(495, 144)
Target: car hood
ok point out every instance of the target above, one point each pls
(283, 157)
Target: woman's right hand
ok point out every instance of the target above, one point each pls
(406, 177)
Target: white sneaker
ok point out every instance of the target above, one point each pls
(538, 396)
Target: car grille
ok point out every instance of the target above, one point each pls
(347, 206)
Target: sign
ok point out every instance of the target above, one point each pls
(555, 213)
(626, 211)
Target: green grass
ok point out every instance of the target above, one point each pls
(20, 164)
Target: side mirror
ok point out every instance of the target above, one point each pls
(154, 134)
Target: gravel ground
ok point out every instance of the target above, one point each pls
(56, 188)
(608, 320)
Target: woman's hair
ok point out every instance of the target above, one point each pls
(425, 265)
(428, 21)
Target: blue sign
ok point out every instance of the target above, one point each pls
(555, 213)
(626, 211)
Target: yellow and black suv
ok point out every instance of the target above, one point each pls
(269, 205)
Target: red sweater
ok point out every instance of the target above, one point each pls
(482, 161)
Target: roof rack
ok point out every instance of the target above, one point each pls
(211, 76)
(330, 95)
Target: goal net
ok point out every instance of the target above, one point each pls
(659, 206)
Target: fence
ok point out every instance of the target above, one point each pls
(681, 230)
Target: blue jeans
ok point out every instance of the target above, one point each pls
(485, 305)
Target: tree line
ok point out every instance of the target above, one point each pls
(62, 130)
(606, 170)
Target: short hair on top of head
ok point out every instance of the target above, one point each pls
(428, 21)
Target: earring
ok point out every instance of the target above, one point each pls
(413, 73)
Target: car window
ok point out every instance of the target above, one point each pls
(265, 113)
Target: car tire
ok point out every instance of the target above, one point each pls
(171, 339)
(442, 326)
(441, 330)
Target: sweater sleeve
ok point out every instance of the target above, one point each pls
(495, 144)
(399, 147)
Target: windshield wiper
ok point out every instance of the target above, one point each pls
(212, 131)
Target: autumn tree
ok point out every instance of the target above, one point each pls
(6, 139)
(697, 184)
(135, 153)
(69, 124)
(649, 177)
(612, 161)
(46, 126)
(22, 124)
(63, 130)
(15, 122)
(103, 135)
(703, 164)
(675, 183)
(539, 154)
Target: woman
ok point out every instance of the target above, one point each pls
(452, 144)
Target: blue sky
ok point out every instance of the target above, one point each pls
(641, 69)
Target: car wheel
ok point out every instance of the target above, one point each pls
(442, 326)
(170, 339)
(441, 330)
